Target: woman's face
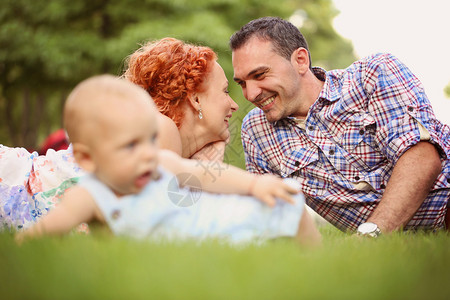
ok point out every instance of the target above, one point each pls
(216, 104)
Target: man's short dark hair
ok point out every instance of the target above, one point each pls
(285, 37)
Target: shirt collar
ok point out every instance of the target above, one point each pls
(331, 88)
(329, 92)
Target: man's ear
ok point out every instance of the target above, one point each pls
(83, 157)
(300, 59)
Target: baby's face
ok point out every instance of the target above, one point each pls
(125, 152)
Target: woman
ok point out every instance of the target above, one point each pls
(190, 88)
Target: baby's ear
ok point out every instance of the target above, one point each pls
(83, 157)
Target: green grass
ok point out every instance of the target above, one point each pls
(100, 266)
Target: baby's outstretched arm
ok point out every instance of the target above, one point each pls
(227, 179)
(76, 207)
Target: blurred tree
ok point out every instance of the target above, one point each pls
(447, 90)
(46, 47)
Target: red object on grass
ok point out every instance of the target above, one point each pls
(56, 140)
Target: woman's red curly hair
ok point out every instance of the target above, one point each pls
(170, 71)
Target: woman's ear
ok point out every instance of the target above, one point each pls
(83, 157)
(195, 102)
(300, 59)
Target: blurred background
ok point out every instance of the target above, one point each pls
(47, 47)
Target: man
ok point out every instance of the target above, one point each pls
(363, 142)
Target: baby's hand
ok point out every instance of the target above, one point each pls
(268, 188)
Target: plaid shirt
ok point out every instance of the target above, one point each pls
(364, 119)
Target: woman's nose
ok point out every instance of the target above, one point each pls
(234, 105)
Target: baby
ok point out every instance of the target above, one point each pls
(141, 191)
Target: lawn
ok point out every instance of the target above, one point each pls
(100, 266)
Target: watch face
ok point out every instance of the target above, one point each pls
(367, 227)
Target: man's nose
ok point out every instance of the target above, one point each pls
(252, 91)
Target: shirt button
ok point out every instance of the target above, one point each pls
(297, 163)
(310, 127)
(382, 186)
(361, 131)
(115, 214)
(448, 180)
(357, 178)
(410, 109)
(331, 152)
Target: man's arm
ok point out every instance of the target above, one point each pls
(410, 182)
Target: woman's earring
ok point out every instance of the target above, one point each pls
(200, 115)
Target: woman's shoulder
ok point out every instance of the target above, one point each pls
(169, 136)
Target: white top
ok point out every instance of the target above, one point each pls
(164, 211)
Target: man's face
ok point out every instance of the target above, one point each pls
(268, 80)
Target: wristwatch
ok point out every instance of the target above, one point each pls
(368, 229)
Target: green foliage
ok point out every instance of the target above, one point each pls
(47, 47)
(100, 266)
(447, 90)
(328, 49)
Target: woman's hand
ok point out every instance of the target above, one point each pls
(212, 152)
(268, 188)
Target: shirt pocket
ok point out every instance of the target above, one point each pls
(297, 159)
(359, 141)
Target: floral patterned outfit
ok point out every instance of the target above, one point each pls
(30, 185)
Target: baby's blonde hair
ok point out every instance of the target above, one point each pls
(89, 100)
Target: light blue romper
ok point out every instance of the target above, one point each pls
(164, 211)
